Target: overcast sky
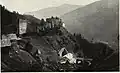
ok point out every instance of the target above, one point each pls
(23, 6)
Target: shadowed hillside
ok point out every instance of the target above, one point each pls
(8, 20)
(98, 20)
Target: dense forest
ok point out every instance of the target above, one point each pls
(10, 21)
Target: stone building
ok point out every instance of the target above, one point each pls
(28, 26)
(54, 22)
(22, 26)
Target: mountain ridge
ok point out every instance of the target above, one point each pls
(98, 21)
(54, 11)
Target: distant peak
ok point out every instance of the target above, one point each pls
(68, 5)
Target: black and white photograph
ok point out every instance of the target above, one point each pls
(59, 35)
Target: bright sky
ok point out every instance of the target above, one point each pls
(23, 6)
